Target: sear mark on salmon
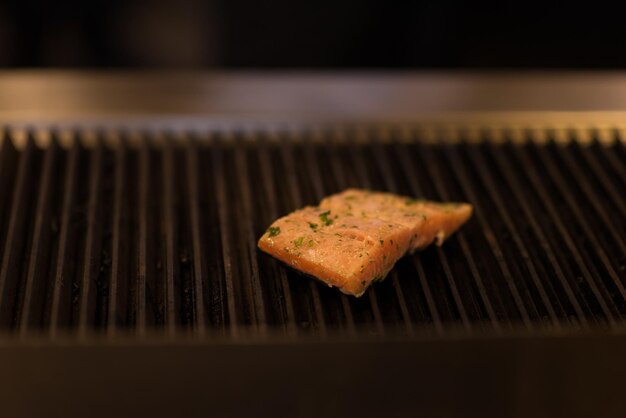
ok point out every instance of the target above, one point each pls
(354, 238)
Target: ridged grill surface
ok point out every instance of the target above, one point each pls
(160, 233)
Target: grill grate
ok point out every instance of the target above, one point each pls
(136, 232)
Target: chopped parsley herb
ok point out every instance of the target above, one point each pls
(313, 226)
(351, 197)
(450, 206)
(338, 234)
(298, 242)
(273, 230)
(409, 202)
(324, 218)
(311, 243)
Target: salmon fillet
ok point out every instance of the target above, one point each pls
(354, 238)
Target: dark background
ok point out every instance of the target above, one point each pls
(313, 34)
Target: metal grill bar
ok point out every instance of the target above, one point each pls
(118, 287)
(9, 157)
(143, 261)
(172, 295)
(160, 234)
(219, 176)
(93, 242)
(61, 293)
(199, 271)
(36, 277)
(17, 235)
(252, 273)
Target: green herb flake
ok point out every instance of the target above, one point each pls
(311, 243)
(448, 207)
(273, 231)
(351, 197)
(324, 218)
(409, 202)
(298, 242)
(313, 226)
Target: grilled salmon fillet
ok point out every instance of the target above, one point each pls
(354, 238)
